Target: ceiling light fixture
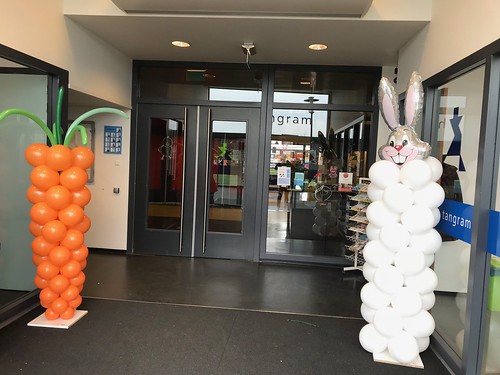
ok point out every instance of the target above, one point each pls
(318, 47)
(180, 43)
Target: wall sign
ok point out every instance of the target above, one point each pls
(456, 220)
(112, 139)
(284, 176)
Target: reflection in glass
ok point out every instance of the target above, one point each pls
(165, 181)
(198, 83)
(226, 176)
(306, 212)
(491, 363)
(337, 87)
(458, 115)
(29, 92)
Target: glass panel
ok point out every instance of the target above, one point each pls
(306, 211)
(199, 83)
(459, 116)
(226, 176)
(491, 363)
(337, 87)
(28, 92)
(166, 162)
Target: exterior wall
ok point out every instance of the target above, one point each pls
(458, 29)
(108, 211)
(39, 29)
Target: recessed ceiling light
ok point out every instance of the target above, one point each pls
(179, 43)
(318, 47)
(304, 82)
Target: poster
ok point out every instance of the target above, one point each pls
(112, 139)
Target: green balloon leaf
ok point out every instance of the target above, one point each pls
(83, 133)
(73, 127)
(31, 116)
(55, 135)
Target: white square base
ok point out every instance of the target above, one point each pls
(385, 357)
(42, 321)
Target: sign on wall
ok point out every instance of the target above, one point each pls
(456, 221)
(112, 139)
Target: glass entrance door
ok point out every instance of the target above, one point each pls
(196, 181)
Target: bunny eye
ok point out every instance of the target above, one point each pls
(405, 140)
(392, 141)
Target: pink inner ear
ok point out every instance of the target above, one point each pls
(410, 105)
(389, 114)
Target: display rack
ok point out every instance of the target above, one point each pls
(356, 227)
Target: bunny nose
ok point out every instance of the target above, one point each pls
(398, 147)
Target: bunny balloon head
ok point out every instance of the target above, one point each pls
(403, 144)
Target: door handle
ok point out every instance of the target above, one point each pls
(207, 184)
(183, 179)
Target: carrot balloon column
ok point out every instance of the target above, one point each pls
(58, 221)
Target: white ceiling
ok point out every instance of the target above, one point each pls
(357, 32)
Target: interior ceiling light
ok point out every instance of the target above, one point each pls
(318, 47)
(180, 43)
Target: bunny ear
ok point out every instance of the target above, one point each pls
(388, 103)
(414, 100)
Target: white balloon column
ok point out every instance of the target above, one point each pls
(402, 240)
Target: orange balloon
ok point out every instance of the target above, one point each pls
(70, 293)
(73, 240)
(58, 197)
(54, 231)
(81, 197)
(44, 177)
(37, 259)
(41, 283)
(59, 305)
(71, 269)
(78, 280)
(68, 313)
(42, 213)
(84, 225)
(76, 302)
(59, 157)
(46, 270)
(80, 254)
(74, 178)
(83, 264)
(71, 215)
(83, 157)
(51, 314)
(59, 284)
(35, 229)
(35, 195)
(36, 154)
(59, 255)
(47, 296)
(41, 246)
(80, 288)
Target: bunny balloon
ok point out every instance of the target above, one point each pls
(403, 144)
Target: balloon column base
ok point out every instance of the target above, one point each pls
(42, 321)
(385, 357)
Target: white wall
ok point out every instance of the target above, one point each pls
(458, 28)
(108, 211)
(38, 28)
